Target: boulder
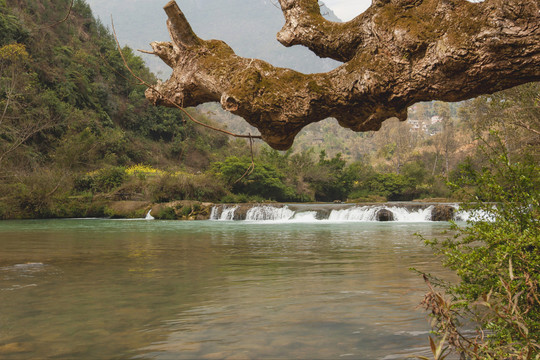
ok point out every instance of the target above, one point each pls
(442, 213)
(384, 215)
(241, 211)
(323, 214)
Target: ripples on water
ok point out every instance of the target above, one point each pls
(96, 289)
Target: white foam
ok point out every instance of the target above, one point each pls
(148, 216)
(368, 213)
(305, 216)
(266, 212)
(404, 215)
(474, 215)
(227, 213)
(358, 213)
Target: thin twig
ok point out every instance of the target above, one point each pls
(61, 21)
(57, 186)
(143, 82)
(9, 94)
(106, 62)
(524, 125)
(252, 165)
(276, 5)
(146, 52)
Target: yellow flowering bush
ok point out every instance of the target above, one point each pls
(181, 174)
(13, 52)
(141, 169)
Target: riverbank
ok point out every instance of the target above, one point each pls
(196, 210)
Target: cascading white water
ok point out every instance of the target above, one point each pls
(404, 215)
(227, 213)
(323, 213)
(258, 213)
(148, 216)
(474, 215)
(369, 213)
(305, 216)
(213, 213)
(357, 213)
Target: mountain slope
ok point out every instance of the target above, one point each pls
(69, 107)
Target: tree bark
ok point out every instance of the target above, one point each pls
(397, 53)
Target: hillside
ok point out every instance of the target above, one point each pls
(70, 107)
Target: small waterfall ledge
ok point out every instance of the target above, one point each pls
(148, 216)
(400, 212)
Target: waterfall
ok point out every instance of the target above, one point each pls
(223, 213)
(370, 213)
(401, 212)
(474, 215)
(214, 213)
(357, 213)
(419, 215)
(259, 213)
(305, 216)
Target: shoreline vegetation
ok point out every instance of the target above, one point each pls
(442, 209)
(189, 210)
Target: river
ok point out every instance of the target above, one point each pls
(136, 289)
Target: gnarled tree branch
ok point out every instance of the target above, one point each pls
(397, 53)
(304, 25)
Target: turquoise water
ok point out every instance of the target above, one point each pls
(113, 289)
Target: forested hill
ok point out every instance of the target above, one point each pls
(68, 106)
(73, 70)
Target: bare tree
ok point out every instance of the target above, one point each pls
(514, 114)
(397, 53)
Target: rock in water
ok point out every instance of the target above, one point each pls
(442, 213)
(384, 215)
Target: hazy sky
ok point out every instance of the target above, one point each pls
(347, 9)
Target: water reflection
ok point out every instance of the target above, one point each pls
(91, 289)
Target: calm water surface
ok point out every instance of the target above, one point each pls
(112, 289)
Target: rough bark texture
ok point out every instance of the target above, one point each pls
(395, 54)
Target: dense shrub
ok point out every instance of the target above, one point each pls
(41, 194)
(264, 180)
(497, 259)
(103, 180)
(167, 213)
(184, 186)
(331, 179)
(241, 198)
(11, 29)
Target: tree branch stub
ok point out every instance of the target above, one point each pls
(180, 29)
(397, 53)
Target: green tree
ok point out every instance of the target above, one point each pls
(331, 179)
(11, 29)
(264, 180)
(392, 186)
(497, 259)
